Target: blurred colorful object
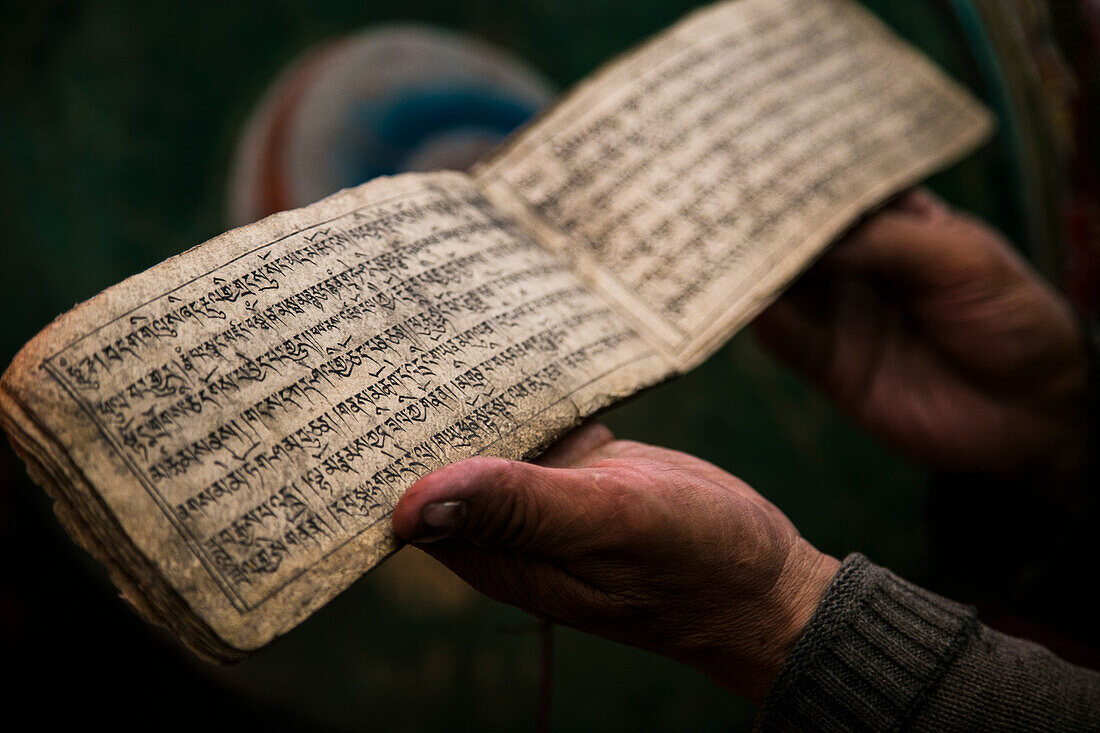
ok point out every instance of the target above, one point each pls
(386, 100)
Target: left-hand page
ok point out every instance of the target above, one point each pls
(229, 430)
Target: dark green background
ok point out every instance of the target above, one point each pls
(117, 123)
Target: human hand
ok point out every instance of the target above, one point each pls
(927, 329)
(642, 545)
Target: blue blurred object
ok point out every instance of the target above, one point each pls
(396, 130)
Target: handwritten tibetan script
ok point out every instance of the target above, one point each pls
(281, 403)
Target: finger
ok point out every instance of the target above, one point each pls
(920, 203)
(577, 443)
(492, 502)
(918, 253)
(691, 466)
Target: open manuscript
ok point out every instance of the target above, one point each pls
(229, 431)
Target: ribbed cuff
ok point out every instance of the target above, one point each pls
(874, 649)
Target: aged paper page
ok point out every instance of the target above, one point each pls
(250, 411)
(692, 179)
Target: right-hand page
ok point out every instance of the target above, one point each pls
(692, 179)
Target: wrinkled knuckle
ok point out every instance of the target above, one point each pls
(640, 509)
(496, 519)
(510, 514)
(614, 503)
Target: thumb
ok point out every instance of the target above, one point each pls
(492, 502)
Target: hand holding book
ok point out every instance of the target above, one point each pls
(965, 358)
(642, 545)
(929, 330)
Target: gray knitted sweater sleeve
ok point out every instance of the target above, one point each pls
(883, 654)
